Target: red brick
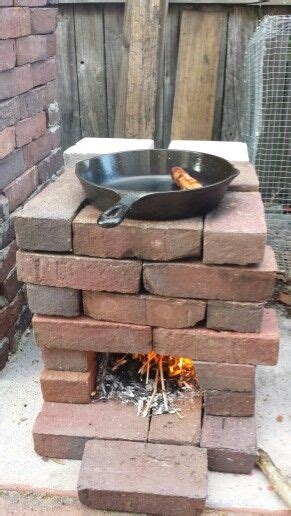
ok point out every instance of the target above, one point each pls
(9, 112)
(7, 55)
(236, 231)
(15, 81)
(55, 135)
(229, 403)
(67, 386)
(30, 49)
(143, 309)
(51, 92)
(21, 188)
(4, 351)
(84, 334)
(200, 281)
(170, 429)
(247, 180)
(4, 3)
(149, 240)
(234, 316)
(9, 314)
(225, 377)
(54, 301)
(50, 165)
(43, 71)
(11, 167)
(45, 223)
(7, 141)
(221, 346)
(14, 23)
(68, 360)
(230, 442)
(36, 150)
(10, 286)
(30, 129)
(32, 102)
(31, 3)
(151, 479)
(7, 260)
(61, 429)
(43, 20)
(51, 44)
(79, 272)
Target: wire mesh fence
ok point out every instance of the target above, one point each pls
(266, 126)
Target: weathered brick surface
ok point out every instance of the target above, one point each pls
(236, 231)
(10, 286)
(225, 377)
(15, 23)
(51, 45)
(43, 20)
(7, 55)
(21, 188)
(173, 479)
(53, 301)
(31, 48)
(33, 101)
(230, 442)
(45, 222)
(234, 316)
(4, 350)
(229, 403)
(50, 165)
(7, 233)
(53, 114)
(196, 280)
(84, 334)
(9, 313)
(61, 429)
(7, 259)
(30, 129)
(170, 429)
(68, 360)
(55, 135)
(79, 272)
(7, 141)
(150, 240)
(247, 180)
(37, 150)
(15, 81)
(11, 167)
(9, 112)
(43, 71)
(4, 209)
(221, 346)
(67, 386)
(143, 309)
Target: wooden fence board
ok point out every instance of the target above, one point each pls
(136, 96)
(68, 96)
(241, 26)
(198, 59)
(113, 19)
(91, 70)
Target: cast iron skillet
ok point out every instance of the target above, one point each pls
(138, 184)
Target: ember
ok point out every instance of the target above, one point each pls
(153, 382)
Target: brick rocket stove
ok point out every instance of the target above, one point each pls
(190, 288)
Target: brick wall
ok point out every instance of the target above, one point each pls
(30, 153)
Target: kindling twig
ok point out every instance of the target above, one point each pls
(278, 481)
(163, 384)
(149, 403)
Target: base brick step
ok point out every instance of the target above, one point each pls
(143, 478)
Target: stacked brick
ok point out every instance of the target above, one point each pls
(30, 152)
(190, 288)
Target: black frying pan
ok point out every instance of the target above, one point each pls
(138, 184)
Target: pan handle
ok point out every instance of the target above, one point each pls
(117, 213)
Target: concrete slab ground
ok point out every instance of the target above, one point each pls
(21, 469)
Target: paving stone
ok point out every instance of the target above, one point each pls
(85, 334)
(201, 281)
(79, 272)
(67, 386)
(236, 231)
(234, 316)
(170, 429)
(143, 309)
(228, 403)
(68, 360)
(148, 240)
(225, 377)
(143, 478)
(62, 429)
(230, 442)
(91, 147)
(53, 300)
(45, 223)
(222, 346)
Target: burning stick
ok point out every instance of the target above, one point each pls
(278, 481)
(149, 403)
(163, 384)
